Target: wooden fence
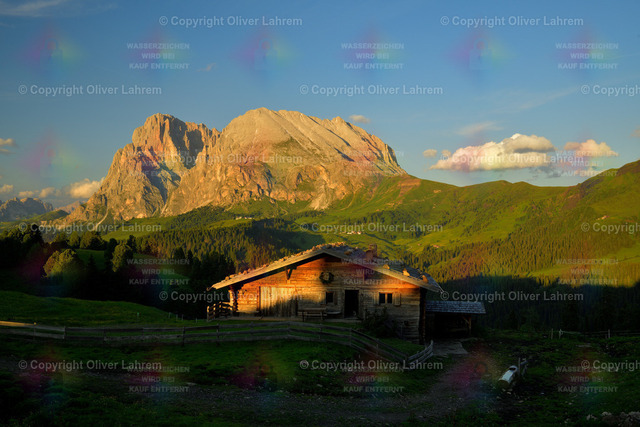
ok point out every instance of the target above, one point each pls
(595, 334)
(218, 309)
(220, 333)
(421, 356)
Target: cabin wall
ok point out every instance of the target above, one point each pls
(286, 294)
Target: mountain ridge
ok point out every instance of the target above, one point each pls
(15, 209)
(172, 167)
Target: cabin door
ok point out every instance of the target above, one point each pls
(351, 305)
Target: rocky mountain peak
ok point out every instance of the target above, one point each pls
(172, 167)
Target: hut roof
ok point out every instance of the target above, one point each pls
(347, 253)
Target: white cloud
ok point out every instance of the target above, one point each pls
(517, 152)
(590, 148)
(476, 128)
(45, 192)
(49, 191)
(84, 189)
(6, 189)
(9, 142)
(359, 118)
(430, 153)
(446, 153)
(636, 133)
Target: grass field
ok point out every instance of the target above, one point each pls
(79, 397)
(268, 377)
(268, 383)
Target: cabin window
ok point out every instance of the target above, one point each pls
(385, 298)
(330, 298)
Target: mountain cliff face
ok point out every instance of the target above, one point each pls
(172, 167)
(15, 208)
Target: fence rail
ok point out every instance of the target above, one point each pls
(222, 332)
(594, 334)
(422, 356)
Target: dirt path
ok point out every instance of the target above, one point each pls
(448, 347)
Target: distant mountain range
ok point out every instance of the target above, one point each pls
(16, 209)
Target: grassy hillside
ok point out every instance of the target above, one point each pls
(20, 307)
(499, 228)
(490, 228)
(49, 216)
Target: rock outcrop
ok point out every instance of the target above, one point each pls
(172, 167)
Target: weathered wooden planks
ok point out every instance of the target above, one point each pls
(297, 291)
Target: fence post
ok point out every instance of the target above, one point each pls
(551, 333)
(183, 328)
(64, 333)
(218, 332)
(608, 333)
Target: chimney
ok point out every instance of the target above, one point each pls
(372, 252)
(374, 249)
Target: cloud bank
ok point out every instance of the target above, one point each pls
(590, 148)
(517, 152)
(83, 189)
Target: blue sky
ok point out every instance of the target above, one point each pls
(497, 97)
